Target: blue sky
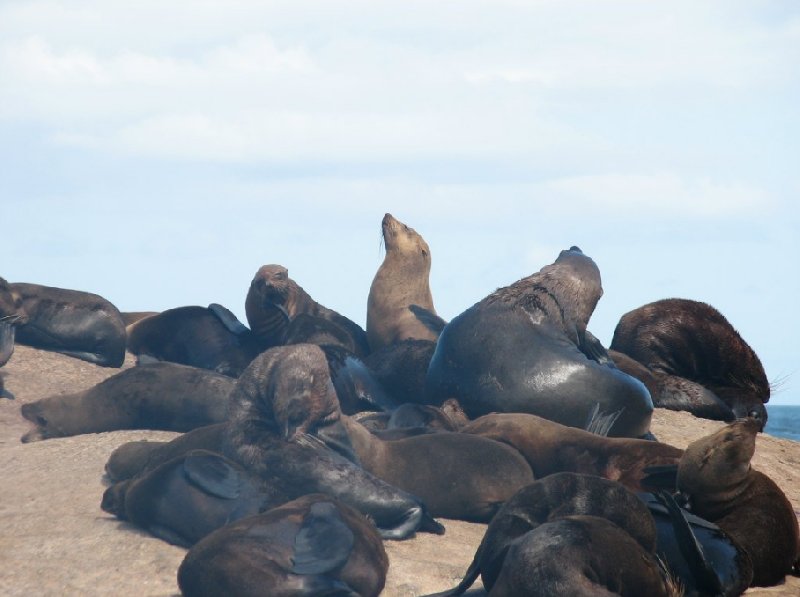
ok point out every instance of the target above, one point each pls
(159, 153)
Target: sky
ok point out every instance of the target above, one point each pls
(159, 153)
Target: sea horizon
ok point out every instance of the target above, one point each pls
(783, 420)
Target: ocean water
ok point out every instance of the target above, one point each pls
(783, 421)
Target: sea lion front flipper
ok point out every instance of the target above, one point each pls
(6, 394)
(323, 543)
(212, 473)
(428, 318)
(228, 319)
(706, 578)
(661, 477)
(594, 350)
(355, 384)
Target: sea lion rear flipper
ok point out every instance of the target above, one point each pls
(323, 543)
(212, 473)
(428, 318)
(704, 574)
(660, 477)
(228, 319)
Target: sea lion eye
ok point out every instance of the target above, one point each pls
(424, 253)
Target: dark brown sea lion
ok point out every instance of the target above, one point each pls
(400, 282)
(716, 475)
(525, 348)
(285, 426)
(550, 448)
(699, 362)
(457, 475)
(569, 534)
(131, 317)
(157, 396)
(188, 497)
(401, 368)
(72, 322)
(205, 337)
(274, 300)
(312, 546)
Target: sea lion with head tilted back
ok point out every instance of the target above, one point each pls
(525, 348)
(691, 358)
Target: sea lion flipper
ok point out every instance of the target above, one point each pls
(706, 578)
(228, 319)
(323, 543)
(661, 477)
(212, 473)
(594, 350)
(428, 318)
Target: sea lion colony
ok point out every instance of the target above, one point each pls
(520, 363)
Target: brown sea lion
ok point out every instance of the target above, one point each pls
(525, 348)
(550, 448)
(131, 317)
(164, 396)
(401, 368)
(694, 360)
(569, 534)
(312, 546)
(400, 282)
(205, 337)
(186, 498)
(79, 324)
(716, 475)
(285, 425)
(459, 476)
(274, 300)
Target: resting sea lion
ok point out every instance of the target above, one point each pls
(285, 426)
(274, 300)
(525, 348)
(79, 324)
(715, 474)
(401, 368)
(188, 497)
(458, 476)
(400, 282)
(208, 338)
(550, 447)
(695, 358)
(131, 317)
(312, 546)
(164, 396)
(569, 534)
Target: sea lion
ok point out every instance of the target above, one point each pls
(131, 317)
(274, 300)
(164, 396)
(715, 473)
(186, 498)
(314, 545)
(554, 532)
(400, 282)
(208, 338)
(697, 360)
(285, 426)
(355, 385)
(401, 368)
(79, 324)
(6, 350)
(458, 476)
(550, 448)
(525, 348)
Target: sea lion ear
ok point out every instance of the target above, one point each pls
(212, 473)
(323, 543)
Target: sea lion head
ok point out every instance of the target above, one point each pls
(719, 463)
(11, 311)
(42, 429)
(404, 242)
(271, 285)
(114, 499)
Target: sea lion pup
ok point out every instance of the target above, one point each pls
(525, 348)
(400, 282)
(188, 497)
(458, 476)
(285, 426)
(605, 533)
(715, 474)
(697, 360)
(274, 300)
(79, 324)
(206, 337)
(314, 545)
(163, 396)
(550, 447)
